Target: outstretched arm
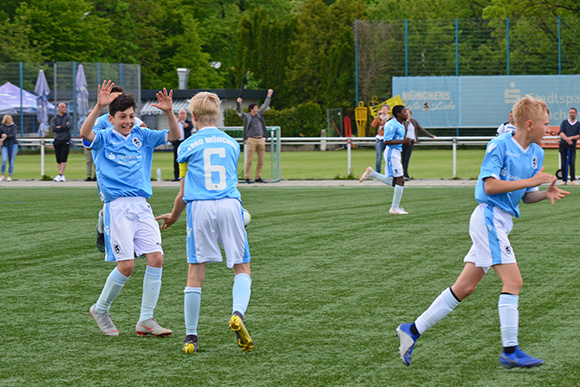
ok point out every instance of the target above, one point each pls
(495, 186)
(553, 193)
(165, 103)
(178, 207)
(104, 99)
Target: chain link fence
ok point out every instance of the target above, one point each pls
(61, 78)
(456, 47)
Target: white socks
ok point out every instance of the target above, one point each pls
(441, 307)
(508, 319)
(397, 195)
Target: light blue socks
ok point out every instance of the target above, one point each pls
(111, 290)
(151, 289)
(241, 293)
(191, 304)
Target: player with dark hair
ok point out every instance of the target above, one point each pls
(208, 161)
(511, 172)
(394, 140)
(123, 156)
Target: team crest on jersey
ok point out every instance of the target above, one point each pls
(534, 162)
(136, 142)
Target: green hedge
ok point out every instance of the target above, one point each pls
(304, 120)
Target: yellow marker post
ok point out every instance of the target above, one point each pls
(360, 115)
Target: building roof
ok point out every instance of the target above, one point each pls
(181, 98)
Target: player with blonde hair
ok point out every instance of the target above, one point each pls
(511, 172)
(208, 167)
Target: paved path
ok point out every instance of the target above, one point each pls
(283, 183)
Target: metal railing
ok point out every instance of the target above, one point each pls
(322, 142)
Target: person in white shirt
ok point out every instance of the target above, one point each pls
(507, 127)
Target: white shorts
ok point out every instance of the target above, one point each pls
(130, 229)
(393, 166)
(489, 228)
(213, 221)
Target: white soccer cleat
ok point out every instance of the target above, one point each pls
(151, 327)
(366, 174)
(57, 178)
(62, 179)
(398, 211)
(104, 322)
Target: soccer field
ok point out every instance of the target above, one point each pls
(333, 276)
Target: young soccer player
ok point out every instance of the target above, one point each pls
(394, 140)
(208, 167)
(511, 171)
(122, 157)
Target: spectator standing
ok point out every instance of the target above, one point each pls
(379, 124)
(61, 125)
(569, 134)
(185, 129)
(255, 134)
(509, 126)
(411, 129)
(9, 143)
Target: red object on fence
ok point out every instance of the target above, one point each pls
(347, 127)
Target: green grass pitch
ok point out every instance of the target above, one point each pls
(333, 276)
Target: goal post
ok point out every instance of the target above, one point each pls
(272, 156)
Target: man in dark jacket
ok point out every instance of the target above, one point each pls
(61, 125)
(255, 134)
(569, 134)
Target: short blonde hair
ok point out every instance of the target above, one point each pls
(205, 107)
(528, 109)
(5, 118)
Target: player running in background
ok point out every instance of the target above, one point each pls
(123, 157)
(511, 171)
(208, 168)
(394, 140)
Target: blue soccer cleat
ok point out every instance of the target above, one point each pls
(408, 341)
(519, 359)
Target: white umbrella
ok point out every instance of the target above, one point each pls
(82, 95)
(42, 91)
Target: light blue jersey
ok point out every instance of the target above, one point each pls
(123, 165)
(212, 161)
(505, 159)
(394, 130)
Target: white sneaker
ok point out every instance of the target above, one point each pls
(398, 211)
(57, 178)
(10, 179)
(62, 178)
(366, 174)
(2, 178)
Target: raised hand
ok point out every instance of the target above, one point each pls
(164, 100)
(104, 95)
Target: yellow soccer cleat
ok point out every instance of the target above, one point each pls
(190, 345)
(243, 337)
